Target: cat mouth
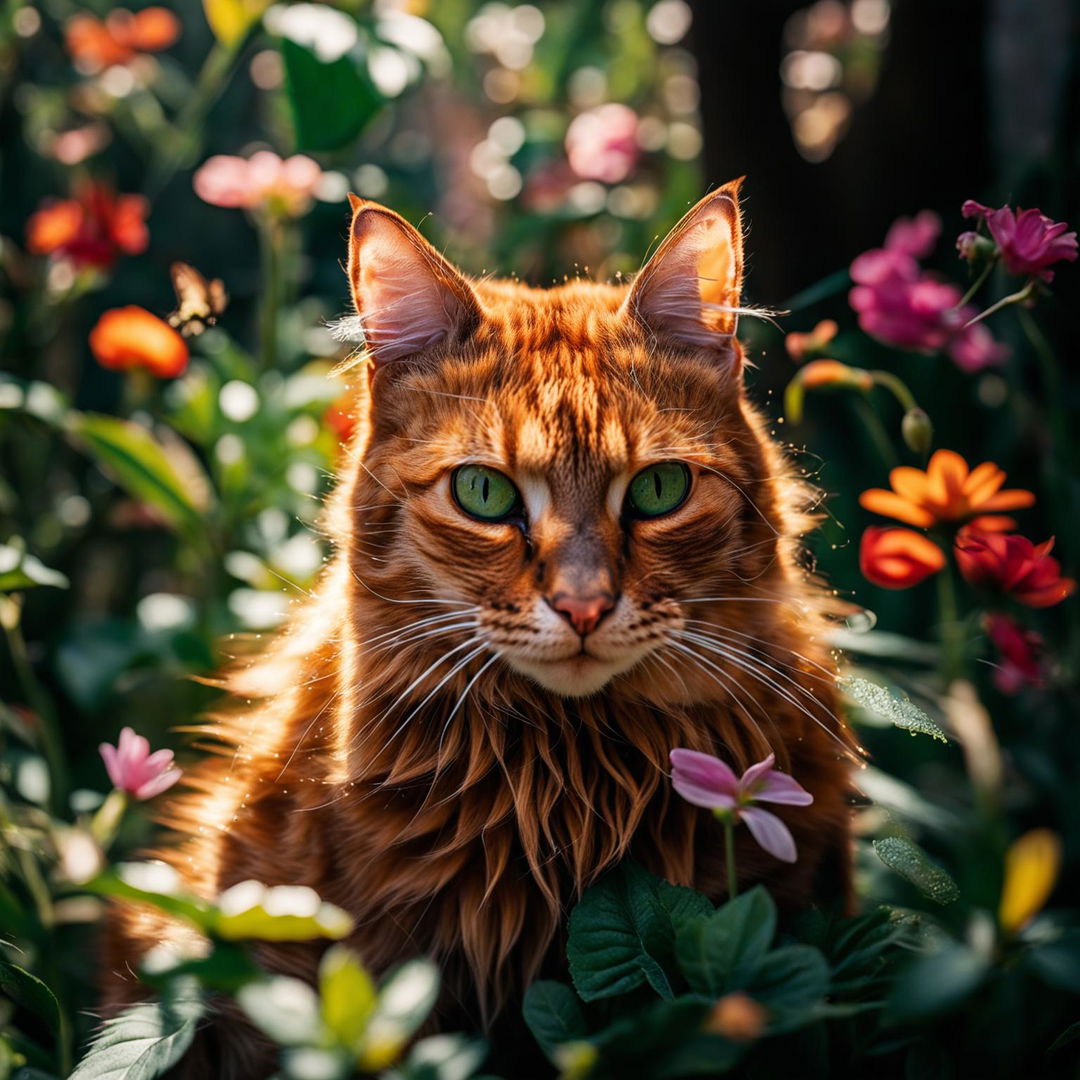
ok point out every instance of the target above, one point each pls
(578, 674)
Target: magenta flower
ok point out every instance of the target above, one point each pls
(899, 304)
(707, 781)
(1027, 239)
(133, 769)
(263, 181)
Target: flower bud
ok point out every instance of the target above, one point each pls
(823, 375)
(918, 431)
(974, 248)
(801, 346)
(737, 1017)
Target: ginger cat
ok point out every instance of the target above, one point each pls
(564, 544)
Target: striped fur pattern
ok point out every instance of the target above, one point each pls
(428, 744)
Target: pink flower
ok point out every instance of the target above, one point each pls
(132, 768)
(262, 182)
(707, 781)
(601, 143)
(914, 236)
(1027, 239)
(1020, 650)
(901, 305)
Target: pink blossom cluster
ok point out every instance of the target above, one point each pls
(900, 304)
(262, 182)
(601, 143)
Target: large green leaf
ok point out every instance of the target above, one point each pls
(790, 982)
(145, 1041)
(169, 479)
(554, 1015)
(30, 992)
(722, 952)
(937, 982)
(911, 862)
(622, 933)
(330, 103)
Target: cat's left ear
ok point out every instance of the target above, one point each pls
(690, 289)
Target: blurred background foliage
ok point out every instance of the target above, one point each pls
(166, 523)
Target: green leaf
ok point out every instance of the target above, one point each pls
(902, 712)
(790, 982)
(347, 993)
(722, 952)
(405, 1000)
(912, 863)
(936, 982)
(145, 1041)
(622, 932)
(444, 1057)
(1057, 963)
(284, 1008)
(30, 992)
(251, 910)
(330, 103)
(554, 1015)
(116, 883)
(18, 570)
(169, 479)
(38, 399)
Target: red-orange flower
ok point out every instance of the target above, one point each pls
(1012, 565)
(93, 228)
(130, 338)
(898, 558)
(95, 44)
(948, 493)
(340, 418)
(799, 346)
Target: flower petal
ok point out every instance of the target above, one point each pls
(781, 788)
(889, 504)
(702, 779)
(755, 774)
(770, 833)
(157, 784)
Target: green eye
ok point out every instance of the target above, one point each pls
(484, 493)
(658, 490)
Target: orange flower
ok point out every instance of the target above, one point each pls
(91, 229)
(1012, 565)
(130, 338)
(800, 346)
(898, 558)
(95, 44)
(947, 493)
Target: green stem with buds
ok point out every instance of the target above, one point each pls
(897, 387)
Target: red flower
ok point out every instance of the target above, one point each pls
(898, 558)
(1013, 565)
(1027, 239)
(92, 229)
(130, 338)
(1020, 652)
(95, 44)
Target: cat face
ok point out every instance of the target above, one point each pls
(573, 468)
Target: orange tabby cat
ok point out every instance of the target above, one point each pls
(564, 545)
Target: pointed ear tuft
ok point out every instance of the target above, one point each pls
(690, 289)
(408, 297)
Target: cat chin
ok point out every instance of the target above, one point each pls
(579, 676)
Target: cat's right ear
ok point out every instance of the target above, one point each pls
(407, 296)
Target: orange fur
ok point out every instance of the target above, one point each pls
(458, 807)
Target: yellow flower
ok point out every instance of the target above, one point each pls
(1031, 869)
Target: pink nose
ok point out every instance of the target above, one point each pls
(583, 613)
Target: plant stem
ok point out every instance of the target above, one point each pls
(951, 629)
(1005, 301)
(47, 728)
(878, 435)
(271, 237)
(978, 283)
(897, 387)
(729, 857)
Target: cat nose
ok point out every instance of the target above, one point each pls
(583, 613)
